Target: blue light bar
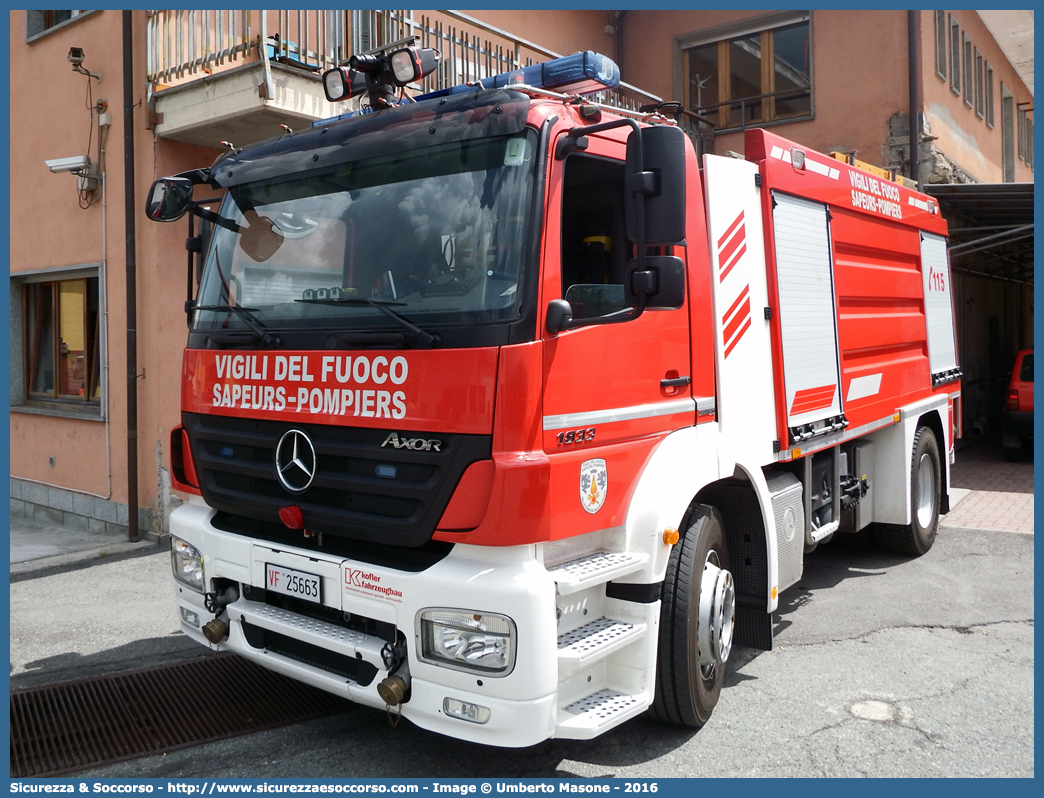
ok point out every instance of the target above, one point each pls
(579, 73)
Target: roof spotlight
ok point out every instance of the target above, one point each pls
(379, 74)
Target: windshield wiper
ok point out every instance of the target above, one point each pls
(246, 314)
(421, 338)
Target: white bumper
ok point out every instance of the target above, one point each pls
(509, 581)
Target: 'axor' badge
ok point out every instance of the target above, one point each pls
(593, 484)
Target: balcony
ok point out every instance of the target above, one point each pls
(236, 76)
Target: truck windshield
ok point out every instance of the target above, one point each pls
(436, 236)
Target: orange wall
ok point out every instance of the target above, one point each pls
(75, 236)
(844, 119)
(563, 32)
(860, 68)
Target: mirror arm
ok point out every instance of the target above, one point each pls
(195, 176)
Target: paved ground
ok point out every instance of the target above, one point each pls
(38, 548)
(1000, 493)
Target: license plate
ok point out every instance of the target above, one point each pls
(293, 583)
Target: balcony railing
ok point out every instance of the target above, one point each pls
(752, 109)
(187, 45)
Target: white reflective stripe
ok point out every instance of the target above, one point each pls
(827, 171)
(861, 387)
(687, 405)
(822, 169)
(917, 203)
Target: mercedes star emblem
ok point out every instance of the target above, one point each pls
(295, 461)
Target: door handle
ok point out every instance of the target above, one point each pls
(677, 382)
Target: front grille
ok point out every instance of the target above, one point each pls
(390, 506)
(361, 491)
(357, 670)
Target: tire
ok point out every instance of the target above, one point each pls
(1012, 455)
(697, 572)
(917, 537)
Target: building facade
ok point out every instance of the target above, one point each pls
(86, 451)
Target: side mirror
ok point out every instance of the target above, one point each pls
(559, 315)
(659, 184)
(662, 281)
(169, 199)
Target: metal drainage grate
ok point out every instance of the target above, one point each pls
(63, 728)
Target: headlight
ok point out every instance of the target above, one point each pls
(187, 563)
(467, 641)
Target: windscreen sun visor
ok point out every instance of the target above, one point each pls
(475, 115)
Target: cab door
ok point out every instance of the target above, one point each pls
(612, 391)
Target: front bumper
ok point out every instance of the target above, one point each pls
(509, 581)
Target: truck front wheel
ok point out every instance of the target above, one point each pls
(697, 614)
(925, 501)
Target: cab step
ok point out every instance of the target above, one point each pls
(593, 714)
(594, 641)
(594, 569)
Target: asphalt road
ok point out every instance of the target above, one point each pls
(883, 666)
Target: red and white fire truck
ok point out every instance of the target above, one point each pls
(505, 414)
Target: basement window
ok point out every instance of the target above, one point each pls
(56, 334)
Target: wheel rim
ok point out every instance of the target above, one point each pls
(717, 615)
(925, 491)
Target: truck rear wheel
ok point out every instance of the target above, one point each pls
(917, 537)
(697, 614)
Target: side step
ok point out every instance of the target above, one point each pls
(592, 714)
(594, 641)
(593, 569)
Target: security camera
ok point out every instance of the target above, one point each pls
(76, 55)
(75, 163)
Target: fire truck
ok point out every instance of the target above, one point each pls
(503, 413)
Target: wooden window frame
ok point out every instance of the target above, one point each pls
(32, 340)
(766, 34)
(955, 56)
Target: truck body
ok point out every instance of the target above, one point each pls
(492, 425)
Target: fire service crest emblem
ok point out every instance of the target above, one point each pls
(593, 484)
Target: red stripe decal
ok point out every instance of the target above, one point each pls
(736, 304)
(810, 399)
(735, 260)
(736, 340)
(743, 315)
(729, 232)
(725, 253)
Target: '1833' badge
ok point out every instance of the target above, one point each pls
(593, 484)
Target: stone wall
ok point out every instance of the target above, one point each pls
(61, 507)
(934, 166)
